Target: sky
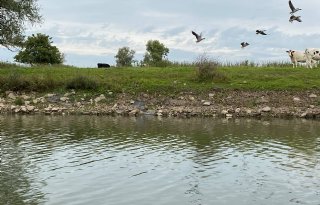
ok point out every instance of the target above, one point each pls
(91, 31)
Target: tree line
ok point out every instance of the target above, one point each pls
(38, 48)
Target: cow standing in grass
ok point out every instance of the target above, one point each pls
(297, 57)
(312, 55)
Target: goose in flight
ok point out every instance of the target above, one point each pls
(293, 9)
(295, 18)
(262, 32)
(198, 37)
(244, 44)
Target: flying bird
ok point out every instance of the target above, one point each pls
(198, 37)
(293, 9)
(262, 32)
(244, 44)
(295, 18)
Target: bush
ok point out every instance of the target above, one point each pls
(207, 69)
(82, 83)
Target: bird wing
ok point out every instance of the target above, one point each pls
(291, 6)
(195, 34)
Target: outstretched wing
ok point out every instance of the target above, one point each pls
(195, 34)
(291, 6)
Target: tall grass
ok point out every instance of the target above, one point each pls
(207, 69)
(201, 76)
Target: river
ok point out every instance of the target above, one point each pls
(81, 160)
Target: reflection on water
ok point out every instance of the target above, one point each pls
(118, 161)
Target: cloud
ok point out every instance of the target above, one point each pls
(101, 27)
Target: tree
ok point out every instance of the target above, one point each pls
(13, 18)
(125, 57)
(37, 49)
(156, 52)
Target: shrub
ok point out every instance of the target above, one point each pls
(19, 101)
(82, 83)
(207, 69)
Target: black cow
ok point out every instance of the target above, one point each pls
(103, 65)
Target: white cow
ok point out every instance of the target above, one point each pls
(313, 55)
(297, 57)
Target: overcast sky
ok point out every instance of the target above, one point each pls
(92, 31)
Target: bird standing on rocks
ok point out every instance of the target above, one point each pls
(198, 37)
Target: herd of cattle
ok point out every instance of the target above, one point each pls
(310, 56)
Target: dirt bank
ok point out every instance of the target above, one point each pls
(220, 103)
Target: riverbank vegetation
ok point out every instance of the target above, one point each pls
(165, 80)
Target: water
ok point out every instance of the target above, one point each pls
(82, 160)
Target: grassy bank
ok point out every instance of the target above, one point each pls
(169, 80)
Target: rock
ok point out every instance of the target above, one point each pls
(207, 103)
(23, 109)
(139, 104)
(13, 107)
(133, 112)
(52, 98)
(25, 97)
(100, 98)
(262, 100)
(248, 111)
(224, 112)
(30, 108)
(55, 109)
(27, 102)
(12, 96)
(229, 115)
(237, 110)
(64, 99)
(313, 96)
(303, 115)
(211, 95)
(266, 109)
(191, 98)
(296, 99)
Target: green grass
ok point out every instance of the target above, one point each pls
(169, 80)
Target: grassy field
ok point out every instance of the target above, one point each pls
(169, 80)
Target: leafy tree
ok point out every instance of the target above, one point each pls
(38, 50)
(14, 15)
(156, 52)
(124, 57)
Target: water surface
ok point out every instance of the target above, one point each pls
(80, 160)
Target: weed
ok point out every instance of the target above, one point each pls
(82, 83)
(19, 101)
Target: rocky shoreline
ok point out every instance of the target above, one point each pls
(218, 103)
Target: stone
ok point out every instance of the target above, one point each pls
(313, 96)
(248, 111)
(64, 99)
(266, 109)
(211, 95)
(23, 108)
(237, 110)
(100, 98)
(229, 115)
(296, 99)
(30, 108)
(224, 112)
(12, 96)
(303, 115)
(207, 103)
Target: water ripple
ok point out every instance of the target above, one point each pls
(99, 160)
